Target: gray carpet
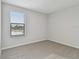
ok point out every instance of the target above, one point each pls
(41, 50)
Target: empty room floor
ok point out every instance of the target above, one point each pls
(41, 50)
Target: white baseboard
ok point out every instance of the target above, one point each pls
(67, 44)
(34, 41)
(71, 45)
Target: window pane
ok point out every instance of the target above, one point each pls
(17, 29)
(16, 17)
(17, 26)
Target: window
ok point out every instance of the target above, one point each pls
(17, 25)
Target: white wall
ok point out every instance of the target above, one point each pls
(36, 27)
(64, 27)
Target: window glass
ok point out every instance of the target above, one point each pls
(16, 17)
(17, 26)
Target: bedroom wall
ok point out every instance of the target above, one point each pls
(35, 28)
(63, 27)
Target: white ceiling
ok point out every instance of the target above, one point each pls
(44, 6)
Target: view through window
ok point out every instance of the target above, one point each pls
(17, 26)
